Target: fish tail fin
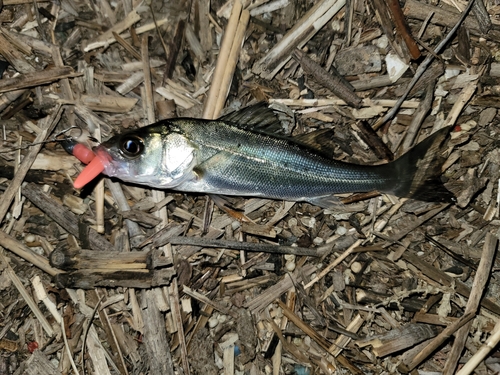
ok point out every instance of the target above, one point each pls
(418, 172)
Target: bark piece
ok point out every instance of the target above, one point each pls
(399, 339)
(63, 217)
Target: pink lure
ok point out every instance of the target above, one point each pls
(95, 165)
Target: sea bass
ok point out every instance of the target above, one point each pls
(230, 158)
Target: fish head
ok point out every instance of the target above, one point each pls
(152, 156)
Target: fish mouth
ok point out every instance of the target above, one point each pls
(101, 163)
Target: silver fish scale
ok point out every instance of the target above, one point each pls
(232, 159)
(269, 180)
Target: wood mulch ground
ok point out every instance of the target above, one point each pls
(121, 279)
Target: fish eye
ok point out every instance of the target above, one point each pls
(131, 146)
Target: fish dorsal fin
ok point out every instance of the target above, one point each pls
(255, 117)
(259, 117)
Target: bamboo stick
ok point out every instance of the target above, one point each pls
(483, 351)
(232, 60)
(227, 42)
(158, 195)
(99, 193)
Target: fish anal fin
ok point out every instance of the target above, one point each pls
(334, 204)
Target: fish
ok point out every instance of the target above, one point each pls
(236, 155)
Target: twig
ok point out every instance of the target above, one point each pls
(65, 218)
(439, 339)
(158, 195)
(476, 293)
(107, 38)
(87, 329)
(372, 139)
(349, 15)
(48, 125)
(99, 192)
(403, 29)
(205, 313)
(417, 120)
(112, 340)
(333, 81)
(68, 350)
(156, 345)
(422, 68)
(424, 25)
(306, 328)
(176, 312)
(160, 37)
(41, 294)
(26, 296)
(422, 219)
(139, 30)
(291, 348)
(483, 18)
(297, 37)
(24, 252)
(452, 254)
(59, 63)
(261, 301)
(384, 219)
(175, 46)
(327, 102)
(334, 264)
(201, 298)
(483, 351)
(12, 54)
(135, 233)
(444, 16)
(127, 46)
(344, 338)
(443, 278)
(270, 7)
(247, 246)
(148, 87)
(460, 102)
